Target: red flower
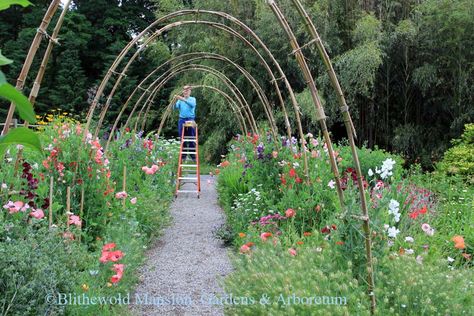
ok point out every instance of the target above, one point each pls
(334, 227)
(414, 215)
(326, 230)
(292, 173)
(423, 210)
(283, 180)
(118, 268)
(298, 180)
(339, 243)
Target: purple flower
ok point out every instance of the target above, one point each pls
(260, 149)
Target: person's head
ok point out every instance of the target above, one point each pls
(186, 91)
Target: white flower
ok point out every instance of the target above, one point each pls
(409, 239)
(450, 259)
(397, 217)
(296, 165)
(386, 226)
(331, 184)
(394, 205)
(419, 259)
(309, 135)
(371, 173)
(393, 232)
(4, 186)
(409, 251)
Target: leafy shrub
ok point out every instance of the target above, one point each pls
(406, 287)
(39, 264)
(459, 160)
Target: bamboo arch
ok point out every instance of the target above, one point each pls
(221, 26)
(192, 57)
(162, 80)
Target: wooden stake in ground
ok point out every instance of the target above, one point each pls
(68, 206)
(81, 210)
(50, 201)
(124, 184)
(29, 58)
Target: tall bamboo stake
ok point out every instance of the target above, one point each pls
(81, 210)
(314, 94)
(124, 183)
(29, 58)
(50, 201)
(68, 205)
(351, 135)
(52, 41)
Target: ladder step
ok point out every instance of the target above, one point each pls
(189, 141)
(187, 178)
(188, 152)
(190, 166)
(187, 191)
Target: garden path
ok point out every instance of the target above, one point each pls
(187, 261)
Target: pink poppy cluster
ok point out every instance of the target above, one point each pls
(152, 170)
(113, 256)
(74, 220)
(19, 206)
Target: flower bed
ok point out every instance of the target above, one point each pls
(78, 220)
(287, 230)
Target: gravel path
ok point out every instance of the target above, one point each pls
(182, 269)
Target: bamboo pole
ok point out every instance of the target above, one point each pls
(50, 201)
(351, 135)
(52, 41)
(124, 184)
(81, 210)
(314, 94)
(68, 205)
(29, 58)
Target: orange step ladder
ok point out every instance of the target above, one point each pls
(188, 172)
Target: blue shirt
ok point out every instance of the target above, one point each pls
(186, 108)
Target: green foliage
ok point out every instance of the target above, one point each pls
(36, 265)
(7, 3)
(273, 272)
(459, 160)
(408, 286)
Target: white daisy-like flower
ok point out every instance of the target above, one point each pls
(393, 232)
(409, 239)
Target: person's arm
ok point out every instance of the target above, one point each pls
(191, 102)
(176, 105)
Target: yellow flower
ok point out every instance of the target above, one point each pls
(109, 284)
(64, 113)
(85, 287)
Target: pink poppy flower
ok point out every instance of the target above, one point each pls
(118, 268)
(39, 214)
(292, 251)
(121, 195)
(427, 229)
(154, 168)
(74, 220)
(68, 235)
(108, 246)
(290, 212)
(133, 200)
(244, 249)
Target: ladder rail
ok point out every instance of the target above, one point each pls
(181, 179)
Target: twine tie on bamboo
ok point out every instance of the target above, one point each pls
(301, 47)
(47, 36)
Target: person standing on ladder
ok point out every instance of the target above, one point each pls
(186, 105)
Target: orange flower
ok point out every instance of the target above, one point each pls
(307, 234)
(216, 172)
(265, 235)
(317, 208)
(249, 244)
(401, 251)
(458, 242)
(225, 164)
(299, 242)
(242, 235)
(340, 243)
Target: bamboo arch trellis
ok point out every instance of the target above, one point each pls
(301, 61)
(194, 56)
(253, 82)
(192, 67)
(168, 110)
(224, 27)
(162, 80)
